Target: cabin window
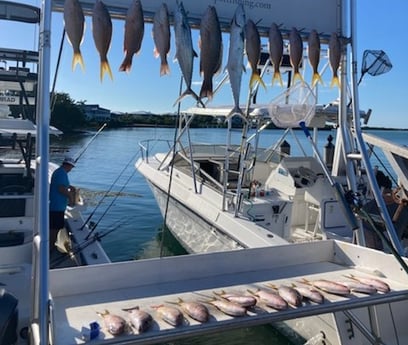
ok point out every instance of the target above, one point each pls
(12, 207)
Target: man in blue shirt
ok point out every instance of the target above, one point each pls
(61, 195)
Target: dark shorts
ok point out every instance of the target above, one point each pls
(57, 220)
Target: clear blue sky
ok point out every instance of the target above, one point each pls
(381, 25)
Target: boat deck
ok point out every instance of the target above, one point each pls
(155, 282)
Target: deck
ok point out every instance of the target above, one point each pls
(155, 282)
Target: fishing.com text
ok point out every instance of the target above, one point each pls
(247, 3)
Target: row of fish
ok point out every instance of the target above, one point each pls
(244, 38)
(238, 304)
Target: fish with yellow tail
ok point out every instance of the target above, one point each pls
(211, 48)
(184, 50)
(114, 324)
(276, 52)
(334, 58)
(313, 49)
(74, 24)
(161, 37)
(253, 51)
(134, 31)
(102, 35)
(141, 320)
(235, 64)
(295, 53)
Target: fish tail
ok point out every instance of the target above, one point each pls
(255, 77)
(335, 81)
(297, 76)
(277, 76)
(190, 92)
(316, 79)
(206, 89)
(77, 59)
(105, 68)
(164, 68)
(126, 64)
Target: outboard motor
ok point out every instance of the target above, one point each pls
(8, 318)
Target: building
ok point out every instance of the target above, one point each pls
(94, 113)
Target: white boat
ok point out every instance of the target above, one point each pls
(62, 305)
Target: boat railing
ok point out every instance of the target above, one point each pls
(149, 147)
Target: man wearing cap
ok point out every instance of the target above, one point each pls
(61, 194)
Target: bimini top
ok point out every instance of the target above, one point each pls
(19, 12)
(20, 128)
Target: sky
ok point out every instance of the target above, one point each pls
(381, 25)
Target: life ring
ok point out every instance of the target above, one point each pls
(306, 176)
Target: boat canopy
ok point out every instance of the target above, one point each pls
(19, 12)
(20, 127)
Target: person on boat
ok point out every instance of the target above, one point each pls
(61, 195)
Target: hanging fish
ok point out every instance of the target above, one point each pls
(161, 37)
(334, 58)
(102, 35)
(295, 53)
(114, 324)
(210, 50)
(74, 23)
(134, 31)
(253, 51)
(184, 49)
(276, 51)
(235, 64)
(313, 48)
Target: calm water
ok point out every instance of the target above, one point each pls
(119, 198)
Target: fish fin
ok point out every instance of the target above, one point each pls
(316, 79)
(335, 81)
(130, 309)
(126, 64)
(77, 59)
(105, 68)
(297, 76)
(277, 76)
(244, 68)
(255, 77)
(155, 52)
(164, 68)
(194, 53)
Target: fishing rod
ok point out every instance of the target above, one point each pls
(90, 141)
(113, 200)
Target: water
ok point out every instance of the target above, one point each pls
(120, 198)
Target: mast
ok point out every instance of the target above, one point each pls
(41, 305)
(358, 134)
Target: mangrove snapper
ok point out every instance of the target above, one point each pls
(139, 319)
(236, 57)
(102, 35)
(295, 53)
(184, 49)
(377, 283)
(329, 286)
(195, 310)
(356, 286)
(253, 51)
(270, 299)
(242, 300)
(161, 37)
(134, 31)
(314, 56)
(210, 50)
(74, 23)
(334, 58)
(310, 293)
(171, 315)
(114, 324)
(229, 308)
(276, 51)
(290, 295)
